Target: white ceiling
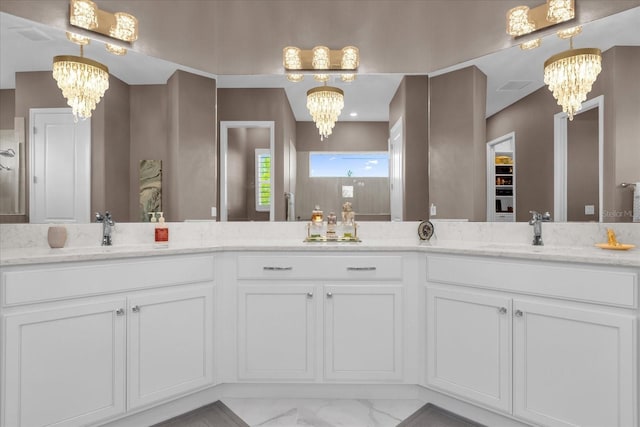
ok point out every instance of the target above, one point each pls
(30, 46)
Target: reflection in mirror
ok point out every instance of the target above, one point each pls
(530, 117)
(11, 170)
(246, 171)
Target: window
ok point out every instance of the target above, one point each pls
(263, 179)
(353, 164)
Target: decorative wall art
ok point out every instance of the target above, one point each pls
(150, 188)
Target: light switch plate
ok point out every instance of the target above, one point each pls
(589, 209)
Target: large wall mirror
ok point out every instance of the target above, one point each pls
(516, 101)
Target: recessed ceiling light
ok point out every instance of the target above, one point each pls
(354, 114)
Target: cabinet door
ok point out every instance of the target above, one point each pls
(276, 332)
(65, 366)
(573, 366)
(170, 343)
(363, 332)
(469, 345)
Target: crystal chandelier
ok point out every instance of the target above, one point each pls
(83, 82)
(325, 104)
(570, 76)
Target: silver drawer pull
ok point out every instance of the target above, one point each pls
(502, 310)
(329, 295)
(277, 268)
(361, 269)
(309, 294)
(518, 313)
(135, 308)
(120, 312)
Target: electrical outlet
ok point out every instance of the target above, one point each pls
(214, 211)
(433, 209)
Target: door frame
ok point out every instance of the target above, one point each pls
(224, 144)
(560, 140)
(397, 128)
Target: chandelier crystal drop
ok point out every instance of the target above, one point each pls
(560, 10)
(325, 104)
(570, 76)
(82, 81)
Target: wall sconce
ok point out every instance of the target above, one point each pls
(522, 20)
(320, 59)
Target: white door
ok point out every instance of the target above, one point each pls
(60, 171)
(469, 346)
(170, 343)
(276, 331)
(573, 367)
(65, 366)
(396, 184)
(363, 332)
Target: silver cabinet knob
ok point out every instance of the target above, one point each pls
(120, 312)
(135, 308)
(309, 294)
(502, 310)
(518, 313)
(329, 295)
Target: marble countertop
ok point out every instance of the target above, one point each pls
(577, 254)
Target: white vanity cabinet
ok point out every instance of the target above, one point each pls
(320, 318)
(88, 341)
(64, 365)
(563, 335)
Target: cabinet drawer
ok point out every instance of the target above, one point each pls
(44, 283)
(314, 267)
(600, 285)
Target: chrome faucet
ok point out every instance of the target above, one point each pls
(537, 220)
(107, 224)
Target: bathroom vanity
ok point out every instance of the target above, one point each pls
(498, 332)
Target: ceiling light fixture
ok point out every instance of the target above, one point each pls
(125, 28)
(83, 82)
(570, 76)
(322, 61)
(325, 103)
(523, 20)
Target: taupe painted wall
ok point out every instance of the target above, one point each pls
(582, 166)
(457, 165)
(110, 173)
(371, 195)
(411, 104)
(192, 188)
(620, 84)
(263, 105)
(531, 119)
(7, 108)
(242, 143)
(149, 135)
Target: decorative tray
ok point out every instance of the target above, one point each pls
(617, 247)
(332, 239)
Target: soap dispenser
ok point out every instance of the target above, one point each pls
(162, 232)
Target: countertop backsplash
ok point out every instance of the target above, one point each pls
(22, 236)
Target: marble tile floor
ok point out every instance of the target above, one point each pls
(323, 412)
